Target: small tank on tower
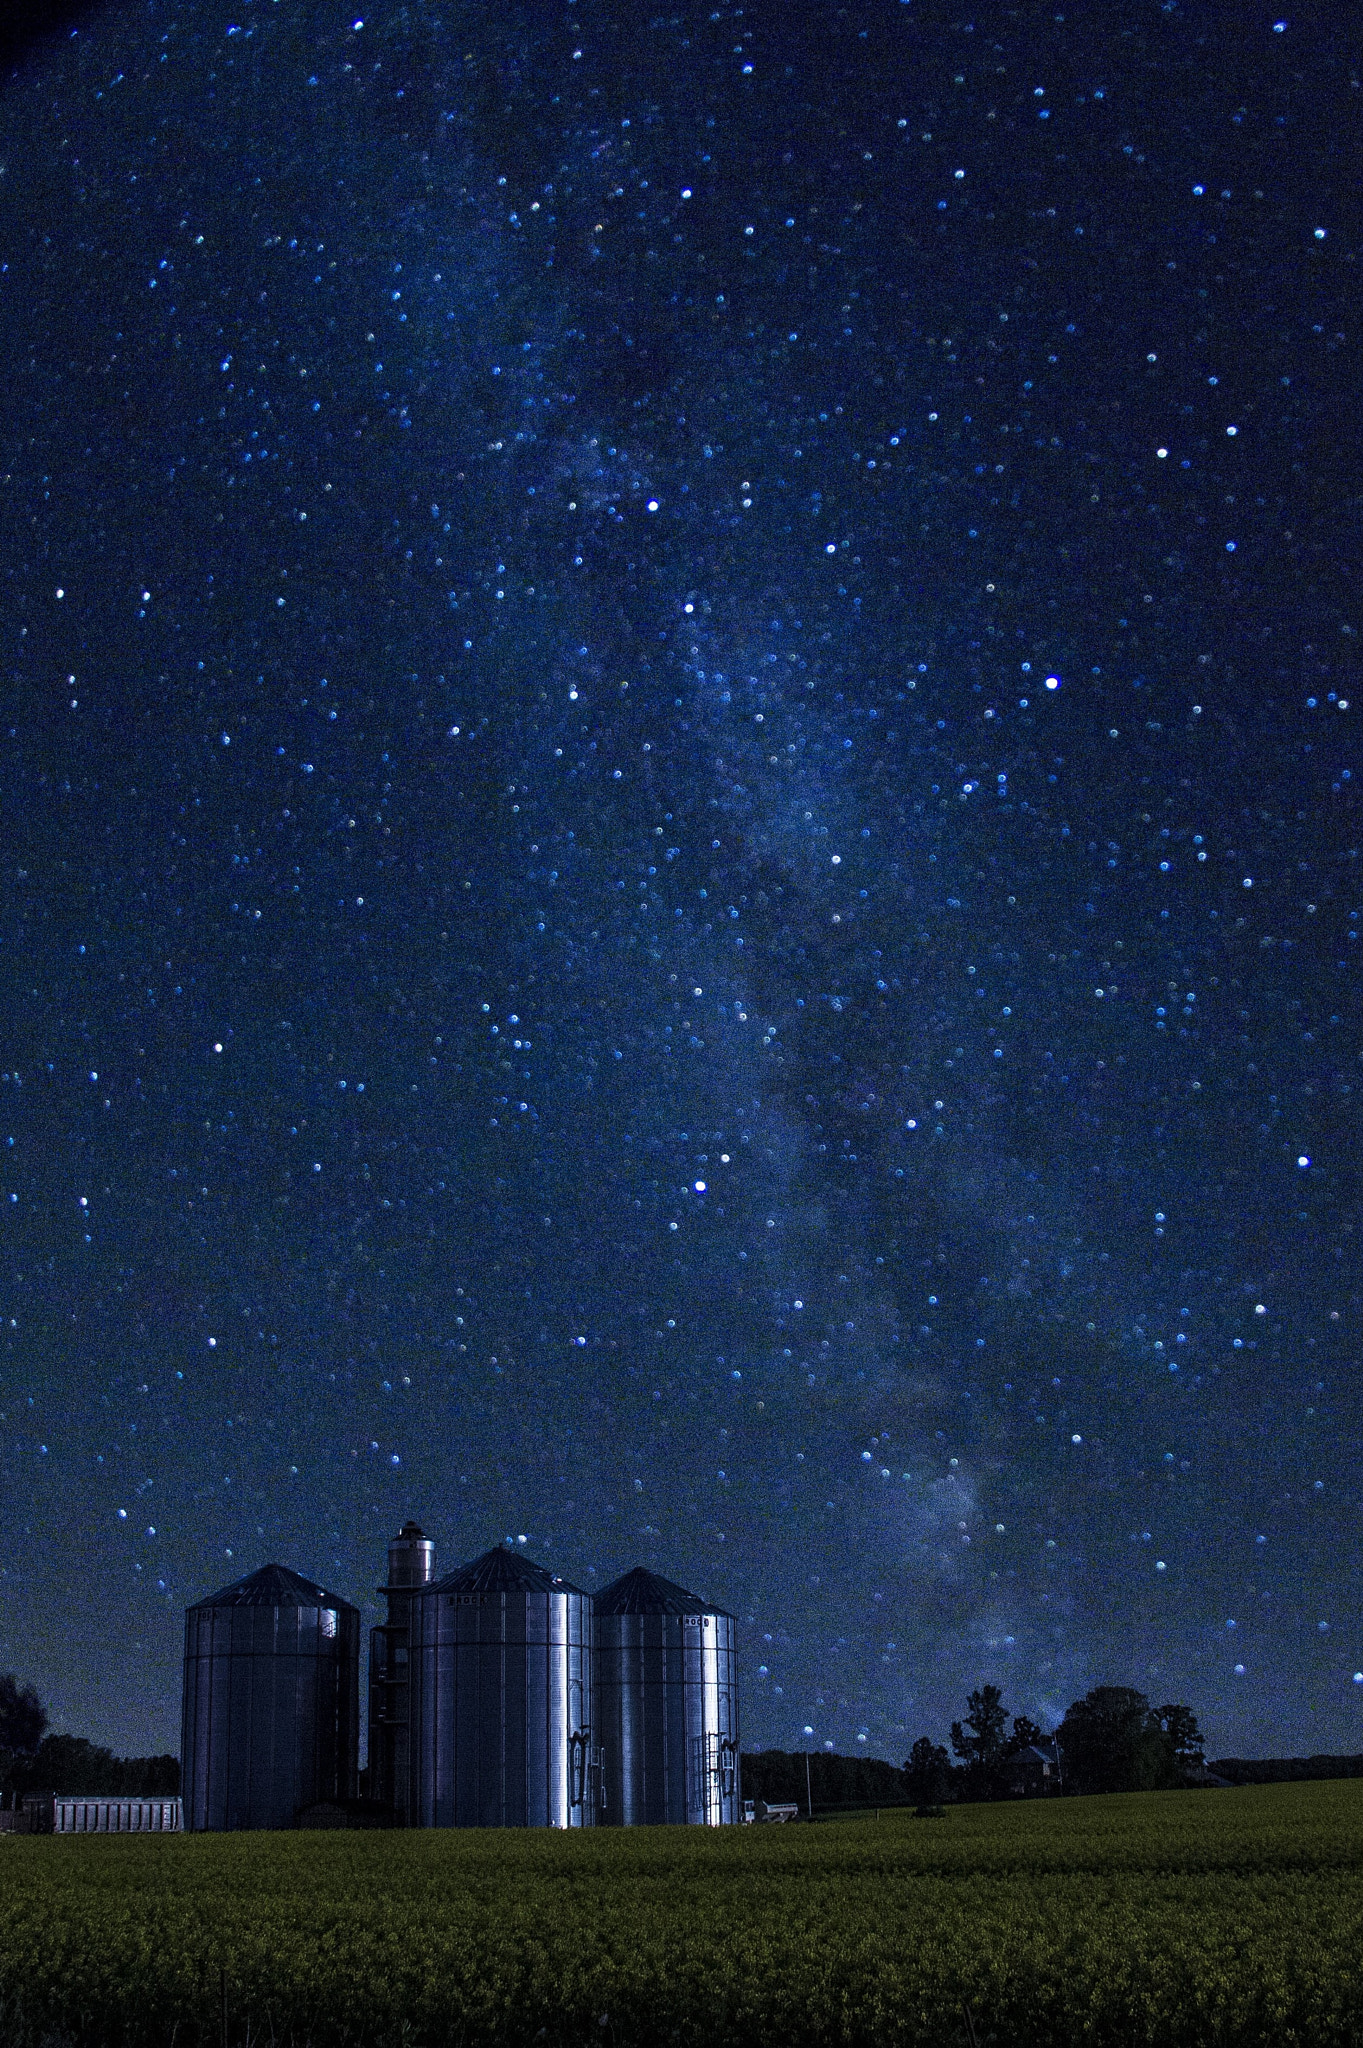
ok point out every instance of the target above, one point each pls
(411, 1565)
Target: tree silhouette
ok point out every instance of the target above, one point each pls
(1112, 1741)
(982, 1743)
(1182, 1734)
(927, 1772)
(23, 1717)
(1026, 1734)
(982, 1748)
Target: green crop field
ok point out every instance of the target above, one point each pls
(1197, 1918)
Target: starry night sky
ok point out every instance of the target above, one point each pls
(681, 838)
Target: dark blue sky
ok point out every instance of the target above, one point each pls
(681, 839)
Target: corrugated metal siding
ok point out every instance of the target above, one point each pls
(501, 1692)
(116, 1816)
(271, 1712)
(666, 1687)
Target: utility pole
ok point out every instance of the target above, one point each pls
(809, 1796)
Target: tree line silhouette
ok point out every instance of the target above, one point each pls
(1111, 1740)
(31, 1760)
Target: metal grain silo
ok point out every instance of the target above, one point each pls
(271, 1711)
(665, 1679)
(500, 1663)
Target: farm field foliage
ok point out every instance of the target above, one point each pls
(1162, 1919)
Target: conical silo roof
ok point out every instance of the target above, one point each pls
(500, 1570)
(643, 1592)
(274, 1585)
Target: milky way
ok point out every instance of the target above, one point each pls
(680, 874)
